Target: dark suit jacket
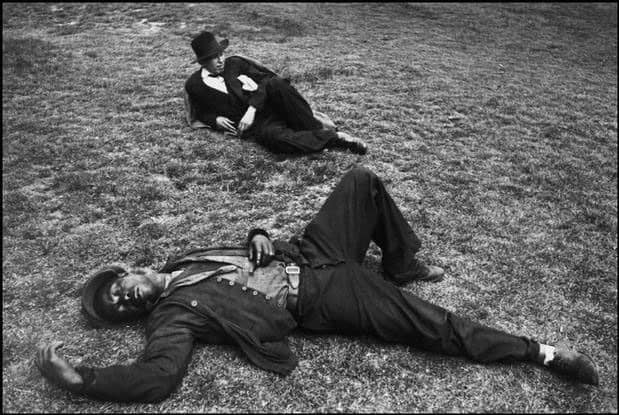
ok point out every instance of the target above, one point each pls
(209, 311)
(210, 103)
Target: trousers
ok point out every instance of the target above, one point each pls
(338, 295)
(287, 124)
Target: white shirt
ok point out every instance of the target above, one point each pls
(218, 83)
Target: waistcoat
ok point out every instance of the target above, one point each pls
(271, 280)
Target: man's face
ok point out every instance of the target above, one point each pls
(132, 295)
(214, 65)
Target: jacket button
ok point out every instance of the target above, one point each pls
(194, 303)
(255, 292)
(231, 283)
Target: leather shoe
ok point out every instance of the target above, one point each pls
(575, 365)
(423, 272)
(430, 273)
(354, 144)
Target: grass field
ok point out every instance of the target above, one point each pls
(494, 127)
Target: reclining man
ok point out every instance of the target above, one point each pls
(241, 97)
(253, 297)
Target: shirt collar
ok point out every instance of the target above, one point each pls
(206, 73)
(170, 277)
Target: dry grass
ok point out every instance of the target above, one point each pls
(493, 125)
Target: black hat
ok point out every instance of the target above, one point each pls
(206, 46)
(92, 293)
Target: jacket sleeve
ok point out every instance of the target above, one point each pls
(275, 356)
(259, 97)
(194, 109)
(191, 115)
(153, 378)
(237, 65)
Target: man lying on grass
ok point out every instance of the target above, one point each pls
(254, 296)
(240, 96)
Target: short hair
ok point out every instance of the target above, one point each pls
(103, 307)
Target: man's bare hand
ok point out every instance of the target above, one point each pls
(56, 369)
(261, 250)
(247, 120)
(226, 124)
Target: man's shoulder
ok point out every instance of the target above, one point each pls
(194, 79)
(247, 61)
(234, 58)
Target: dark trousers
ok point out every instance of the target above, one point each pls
(339, 295)
(286, 124)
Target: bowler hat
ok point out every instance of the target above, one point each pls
(92, 292)
(206, 46)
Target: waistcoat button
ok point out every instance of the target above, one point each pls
(255, 292)
(244, 288)
(267, 297)
(231, 283)
(219, 279)
(194, 303)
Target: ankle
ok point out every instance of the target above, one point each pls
(546, 354)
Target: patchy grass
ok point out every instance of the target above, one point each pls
(493, 125)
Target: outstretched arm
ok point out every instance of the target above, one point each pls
(56, 369)
(151, 379)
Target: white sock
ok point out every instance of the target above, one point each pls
(548, 352)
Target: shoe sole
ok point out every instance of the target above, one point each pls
(431, 279)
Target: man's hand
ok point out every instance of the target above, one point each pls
(247, 120)
(56, 369)
(261, 250)
(225, 124)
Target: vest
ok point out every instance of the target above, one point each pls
(271, 281)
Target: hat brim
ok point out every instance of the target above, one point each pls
(91, 288)
(222, 46)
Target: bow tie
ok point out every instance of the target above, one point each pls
(214, 76)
